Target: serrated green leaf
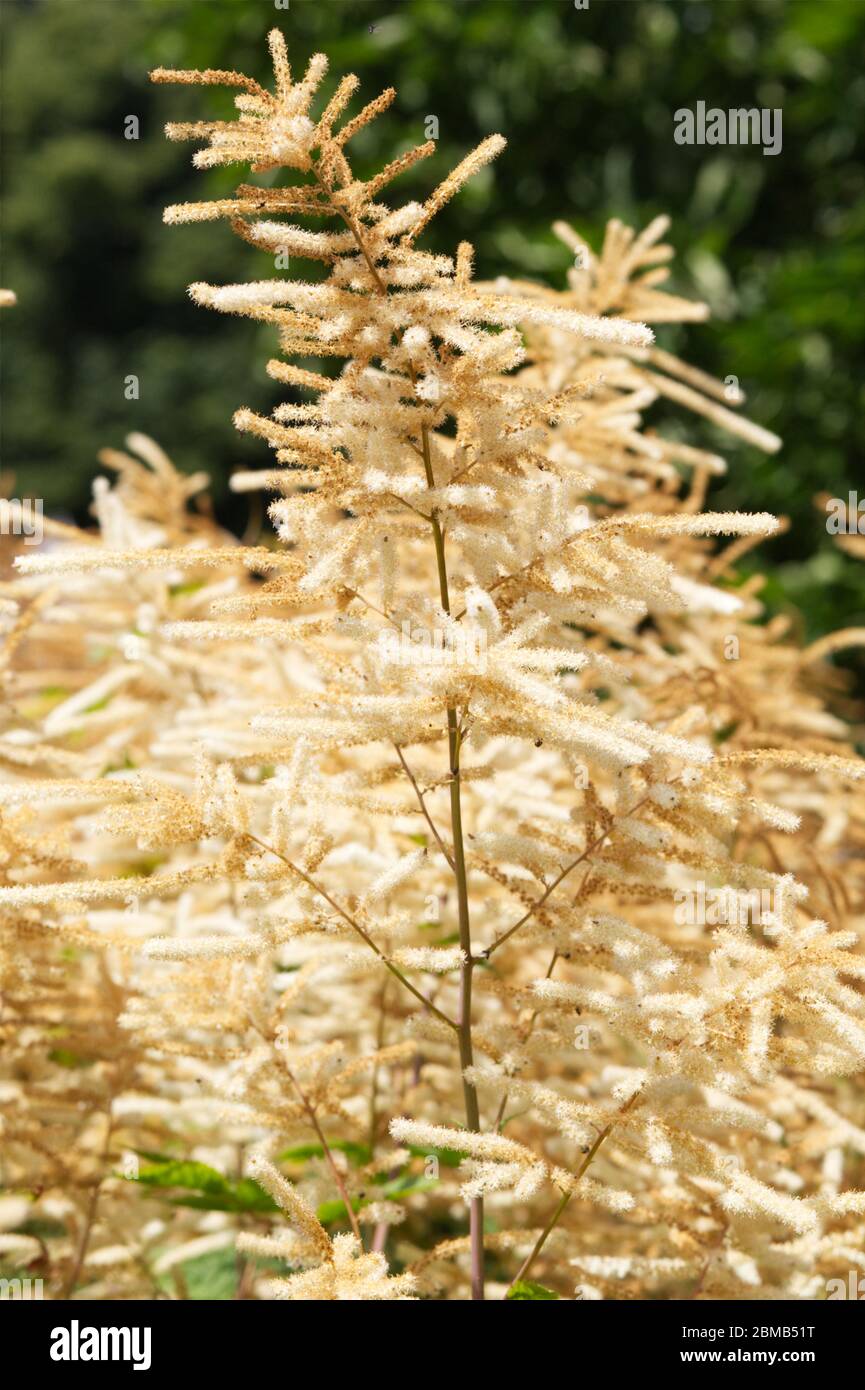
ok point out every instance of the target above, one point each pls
(526, 1290)
(257, 1202)
(178, 1172)
(212, 1190)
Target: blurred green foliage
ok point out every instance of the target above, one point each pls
(586, 99)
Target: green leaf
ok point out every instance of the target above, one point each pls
(255, 1202)
(153, 1157)
(126, 766)
(448, 1158)
(402, 1186)
(525, 1290)
(64, 1058)
(356, 1153)
(42, 1227)
(212, 1191)
(143, 867)
(330, 1212)
(192, 587)
(211, 1277)
(175, 1172)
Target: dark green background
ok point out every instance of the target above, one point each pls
(586, 99)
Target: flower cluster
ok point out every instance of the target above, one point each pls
(389, 948)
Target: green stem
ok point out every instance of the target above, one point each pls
(566, 1196)
(464, 1015)
(540, 1242)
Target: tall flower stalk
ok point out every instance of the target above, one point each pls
(399, 317)
(479, 740)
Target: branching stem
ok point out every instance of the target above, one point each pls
(92, 1205)
(581, 858)
(566, 1196)
(356, 926)
(427, 817)
(331, 1162)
